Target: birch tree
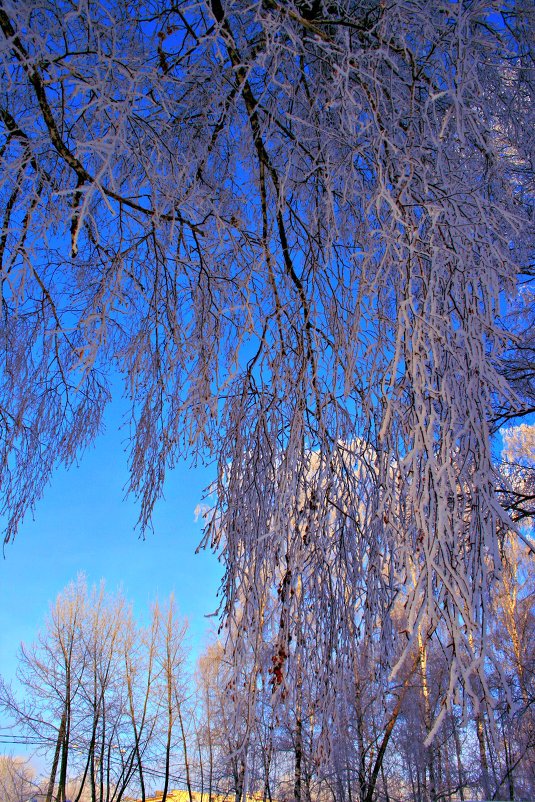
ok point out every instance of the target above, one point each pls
(293, 228)
(99, 697)
(52, 671)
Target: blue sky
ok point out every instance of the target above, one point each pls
(84, 524)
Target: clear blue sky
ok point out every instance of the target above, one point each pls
(84, 524)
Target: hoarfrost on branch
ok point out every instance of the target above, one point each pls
(294, 229)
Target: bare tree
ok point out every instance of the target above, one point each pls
(101, 697)
(141, 674)
(17, 779)
(51, 671)
(170, 659)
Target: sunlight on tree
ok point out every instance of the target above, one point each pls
(295, 229)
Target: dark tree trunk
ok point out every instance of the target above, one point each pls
(59, 744)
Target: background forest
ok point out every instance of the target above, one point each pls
(117, 711)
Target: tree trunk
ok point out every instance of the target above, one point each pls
(135, 729)
(298, 760)
(429, 752)
(485, 779)
(201, 767)
(239, 777)
(185, 747)
(508, 765)
(168, 754)
(59, 743)
(92, 773)
(370, 787)
(460, 773)
(210, 758)
(266, 762)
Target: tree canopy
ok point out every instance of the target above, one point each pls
(296, 229)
